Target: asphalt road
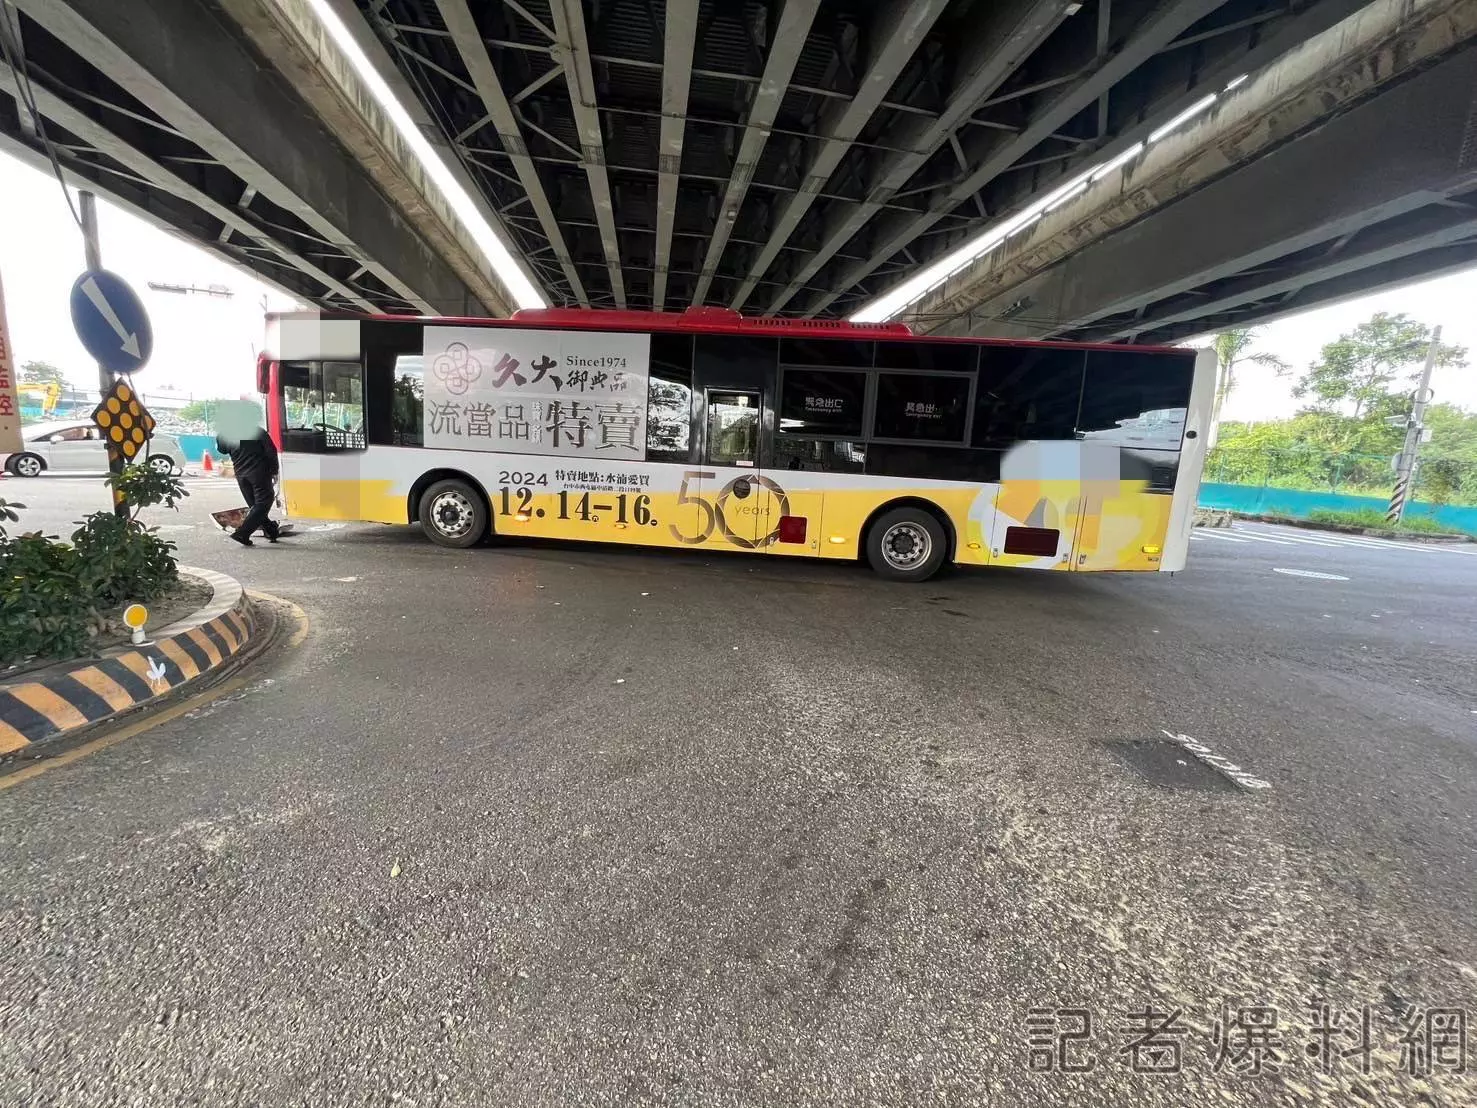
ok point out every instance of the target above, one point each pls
(566, 825)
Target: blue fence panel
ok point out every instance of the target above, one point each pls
(1298, 503)
(195, 446)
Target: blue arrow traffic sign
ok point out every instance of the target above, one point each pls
(111, 321)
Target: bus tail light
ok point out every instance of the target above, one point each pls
(1040, 542)
(792, 529)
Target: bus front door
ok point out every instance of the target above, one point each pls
(732, 482)
(751, 509)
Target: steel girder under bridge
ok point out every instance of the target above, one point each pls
(792, 156)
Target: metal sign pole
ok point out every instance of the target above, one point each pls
(104, 375)
(1406, 465)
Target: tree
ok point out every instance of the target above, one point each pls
(1448, 466)
(1231, 348)
(42, 373)
(202, 410)
(1344, 442)
(1359, 367)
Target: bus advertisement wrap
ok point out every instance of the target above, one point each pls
(823, 441)
(570, 393)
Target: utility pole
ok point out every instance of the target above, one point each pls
(1406, 461)
(104, 376)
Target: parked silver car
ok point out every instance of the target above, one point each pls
(76, 446)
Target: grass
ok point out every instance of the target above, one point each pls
(1375, 519)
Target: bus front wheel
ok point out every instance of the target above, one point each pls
(907, 544)
(453, 514)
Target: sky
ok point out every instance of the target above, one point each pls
(1446, 301)
(205, 346)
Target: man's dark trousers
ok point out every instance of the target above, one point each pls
(256, 487)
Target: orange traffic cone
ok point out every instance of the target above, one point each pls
(207, 463)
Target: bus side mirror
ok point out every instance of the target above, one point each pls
(263, 373)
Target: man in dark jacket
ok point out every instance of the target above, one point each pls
(254, 460)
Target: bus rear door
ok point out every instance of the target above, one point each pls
(1038, 511)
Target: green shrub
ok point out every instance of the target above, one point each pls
(8, 514)
(51, 592)
(1428, 526)
(143, 487)
(46, 604)
(1351, 517)
(122, 560)
(1375, 519)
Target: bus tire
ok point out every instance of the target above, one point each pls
(453, 514)
(907, 544)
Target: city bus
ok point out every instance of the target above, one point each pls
(709, 430)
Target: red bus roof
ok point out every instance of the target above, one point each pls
(708, 319)
(713, 320)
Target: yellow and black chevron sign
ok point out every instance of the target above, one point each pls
(125, 423)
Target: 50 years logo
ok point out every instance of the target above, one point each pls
(711, 515)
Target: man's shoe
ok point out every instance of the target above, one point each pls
(237, 536)
(273, 532)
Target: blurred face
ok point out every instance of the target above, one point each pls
(236, 420)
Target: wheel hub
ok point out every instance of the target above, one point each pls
(452, 514)
(906, 545)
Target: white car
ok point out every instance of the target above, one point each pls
(76, 446)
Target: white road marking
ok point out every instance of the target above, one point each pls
(1310, 573)
(1367, 542)
(1330, 539)
(1218, 535)
(1257, 536)
(1299, 540)
(1227, 768)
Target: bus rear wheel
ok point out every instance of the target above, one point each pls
(453, 514)
(907, 544)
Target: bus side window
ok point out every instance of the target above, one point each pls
(822, 402)
(669, 399)
(407, 403)
(1026, 393)
(1135, 399)
(921, 406)
(343, 406)
(823, 455)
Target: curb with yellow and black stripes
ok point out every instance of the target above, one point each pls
(93, 690)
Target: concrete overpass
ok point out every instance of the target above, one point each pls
(169, 109)
(784, 156)
(1350, 165)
